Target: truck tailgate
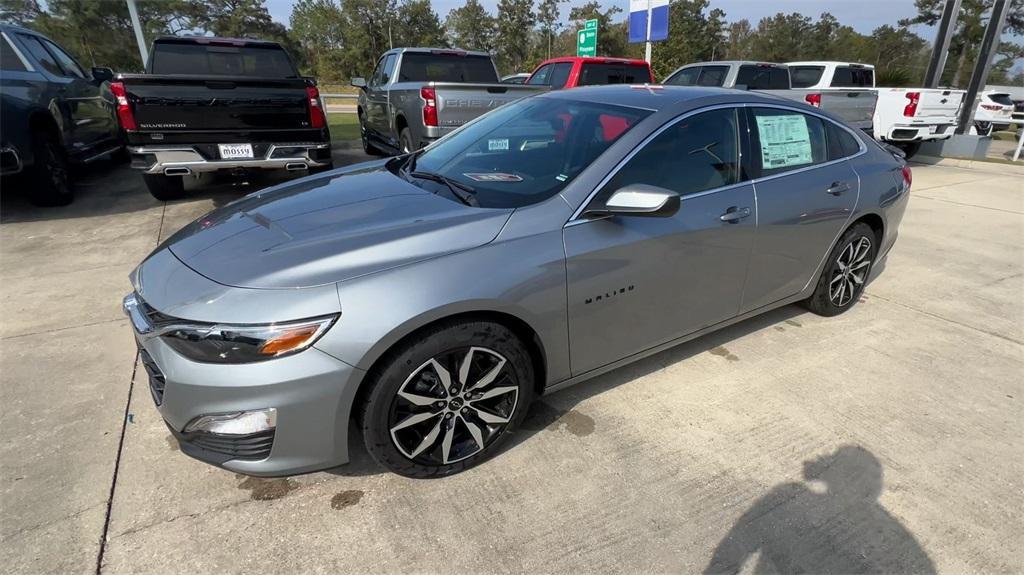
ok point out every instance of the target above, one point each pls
(459, 103)
(855, 107)
(222, 103)
(939, 104)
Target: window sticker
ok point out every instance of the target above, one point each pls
(497, 145)
(785, 141)
(494, 177)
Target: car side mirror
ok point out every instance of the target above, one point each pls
(358, 83)
(100, 75)
(639, 200)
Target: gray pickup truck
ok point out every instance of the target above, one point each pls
(855, 107)
(417, 95)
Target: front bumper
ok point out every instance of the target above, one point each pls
(183, 159)
(311, 391)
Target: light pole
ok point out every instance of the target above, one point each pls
(139, 38)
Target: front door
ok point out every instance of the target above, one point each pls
(377, 115)
(636, 282)
(805, 197)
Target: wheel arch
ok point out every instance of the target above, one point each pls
(875, 222)
(378, 357)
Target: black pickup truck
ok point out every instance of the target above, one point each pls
(219, 104)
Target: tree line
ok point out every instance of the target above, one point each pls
(339, 39)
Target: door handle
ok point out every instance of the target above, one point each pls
(837, 188)
(734, 215)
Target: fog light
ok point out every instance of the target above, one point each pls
(239, 423)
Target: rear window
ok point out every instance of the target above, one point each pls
(851, 77)
(805, 76)
(601, 74)
(1003, 99)
(219, 60)
(763, 77)
(427, 67)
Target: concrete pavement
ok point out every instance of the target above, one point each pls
(887, 438)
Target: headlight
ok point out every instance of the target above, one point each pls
(220, 343)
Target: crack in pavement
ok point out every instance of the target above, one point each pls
(948, 320)
(23, 530)
(65, 328)
(124, 430)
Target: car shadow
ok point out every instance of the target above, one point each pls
(544, 415)
(830, 523)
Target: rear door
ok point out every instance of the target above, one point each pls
(805, 196)
(378, 117)
(637, 282)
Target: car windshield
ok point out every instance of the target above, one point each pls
(525, 152)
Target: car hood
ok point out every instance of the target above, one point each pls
(327, 229)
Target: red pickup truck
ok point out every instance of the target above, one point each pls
(573, 71)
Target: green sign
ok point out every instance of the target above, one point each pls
(586, 39)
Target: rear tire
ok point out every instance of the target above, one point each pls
(405, 141)
(846, 272)
(50, 174)
(910, 149)
(447, 400)
(165, 188)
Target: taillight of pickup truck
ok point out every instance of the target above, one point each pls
(911, 108)
(124, 110)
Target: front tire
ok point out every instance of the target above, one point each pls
(50, 175)
(448, 399)
(846, 272)
(165, 188)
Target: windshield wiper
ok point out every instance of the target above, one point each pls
(458, 189)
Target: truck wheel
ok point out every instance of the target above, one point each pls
(165, 188)
(369, 148)
(405, 141)
(910, 148)
(50, 176)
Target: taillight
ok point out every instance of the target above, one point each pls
(813, 99)
(992, 107)
(316, 109)
(429, 96)
(124, 109)
(908, 177)
(911, 108)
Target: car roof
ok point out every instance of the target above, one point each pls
(214, 40)
(422, 50)
(21, 29)
(733, 63)
(830, 63)
(657, 97)
(594, 60)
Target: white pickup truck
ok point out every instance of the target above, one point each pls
(904, 117)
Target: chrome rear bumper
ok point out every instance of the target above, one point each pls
(185, 160)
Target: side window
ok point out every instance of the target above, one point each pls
(840, 143)
(9, 60)
(35, 47)
(559, 74)
(389, 68)
(540, 77)
(685, 77)
(763, 77)
(695, 154)
(787, 140)
(713, 76)
(66, 62)
(848, 77)
(378, 73)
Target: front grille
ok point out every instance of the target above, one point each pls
(254, 446)
(156, 377)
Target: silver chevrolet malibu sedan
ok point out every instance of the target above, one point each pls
(428, 298)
